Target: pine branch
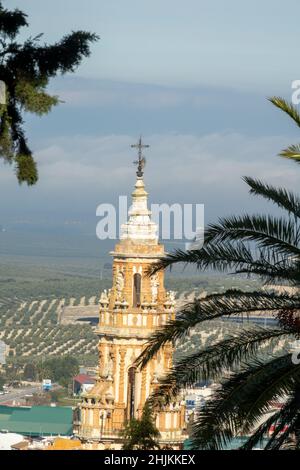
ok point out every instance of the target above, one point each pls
(26, 69)
(11, 21)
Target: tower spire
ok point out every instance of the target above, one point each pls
(141, 162)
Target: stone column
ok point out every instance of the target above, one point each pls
(122, 352)
(143, 387)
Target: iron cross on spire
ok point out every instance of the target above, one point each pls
(141, 162)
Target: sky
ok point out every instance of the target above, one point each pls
(192, 77)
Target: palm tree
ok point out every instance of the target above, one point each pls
(268, 248)
(293, 151)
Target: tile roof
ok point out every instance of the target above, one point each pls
(84, 379)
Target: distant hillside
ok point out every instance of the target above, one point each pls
(42, 272)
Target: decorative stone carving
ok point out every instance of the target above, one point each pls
(108, 370)
(172, 294)
(100, 356)
(109, 396)
(154, 288)
(106, 364)
(155, 378)
(170, 299)
(104, 300)
(145, 305)
(122, 353)
(124, 304)
(119, 284)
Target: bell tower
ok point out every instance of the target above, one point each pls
(129, 312)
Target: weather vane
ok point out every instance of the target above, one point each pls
(141, 162)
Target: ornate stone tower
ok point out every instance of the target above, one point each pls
(135, 306)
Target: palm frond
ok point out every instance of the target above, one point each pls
(292, 152)
(211, 362)
(270, 232)
(222, 257)
(260, 432)
(238, 258)
(287, 107)
(285, 416)
(281, 197)
(212, 307)
(243, 400)
(282, 433)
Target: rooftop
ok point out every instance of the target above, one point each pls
(37, 420)
(84, 379)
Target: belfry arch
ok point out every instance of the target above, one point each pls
(137, 289)
(131, 404)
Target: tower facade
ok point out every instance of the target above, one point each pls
(130, 311)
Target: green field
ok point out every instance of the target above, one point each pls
(39, 274)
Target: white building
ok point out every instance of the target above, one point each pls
(9, 439)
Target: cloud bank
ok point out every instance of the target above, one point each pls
(78, 173)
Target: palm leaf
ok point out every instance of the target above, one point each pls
(211, 362)
(281, 418)
(244, 399)
(280, 196)
(292, 152)
(288, 108)
(275, 233)
(212, 307)
(235, 257)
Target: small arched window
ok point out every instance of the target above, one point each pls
(131, 393)
(137, 281)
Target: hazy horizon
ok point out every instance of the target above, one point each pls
(198, 98)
